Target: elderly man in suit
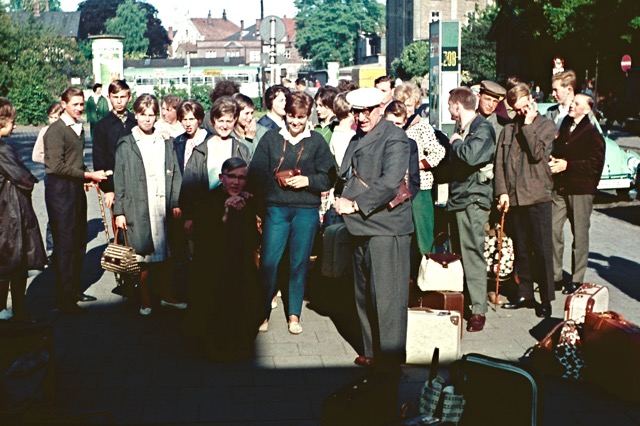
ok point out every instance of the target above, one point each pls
(374, 166)
(473, 147)
(576, 162)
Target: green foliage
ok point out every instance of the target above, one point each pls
(19, 5)
(199, 92)
(36, 66)
(327, 30)
(478, 54)
(413, 62)
(130, 22)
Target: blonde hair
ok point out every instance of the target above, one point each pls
(517, 92)
(408, 92)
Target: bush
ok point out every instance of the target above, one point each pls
(31, 102)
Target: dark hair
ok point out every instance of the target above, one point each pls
(346, 86)
(96, 86)
(397, 109)
(144, 102)
(70, 92)
(224, 105)
(383, 79)
(7, 111)
(243, 101)
(55, 107)
(301, 81)
(118, 86)
(172, 101)
(232, 164)
(511, 82)
(326, 95)
(192, 106)
(223, 88)
(272, 92)
(465, 96)
(298, 103)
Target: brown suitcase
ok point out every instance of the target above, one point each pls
(442, 300)
(611, 347)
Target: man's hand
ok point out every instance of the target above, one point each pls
(188, 226)
(108, 199)
(97, 176)
(531, 112)
(557, 165)
(454, 137)
(121, 222)
(177, 213)
(503, 203)
(250, 131)
(236, 202)
(345, 206)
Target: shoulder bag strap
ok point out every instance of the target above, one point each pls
(284, 148)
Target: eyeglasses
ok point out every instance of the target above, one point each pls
(365, 111)
(235, 177)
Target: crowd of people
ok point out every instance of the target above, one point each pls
(229, 207)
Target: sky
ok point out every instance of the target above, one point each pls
(169, 11)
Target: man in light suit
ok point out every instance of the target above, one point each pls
(374, 166)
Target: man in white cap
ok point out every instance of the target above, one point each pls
(373, 167)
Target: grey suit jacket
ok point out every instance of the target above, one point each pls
(380, 158)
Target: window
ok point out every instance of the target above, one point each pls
(254, 56)
(211, 54)
(233, 53)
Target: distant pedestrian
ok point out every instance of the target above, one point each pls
(275, 99)
(21, 246)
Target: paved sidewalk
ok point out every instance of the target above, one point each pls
(141, 369)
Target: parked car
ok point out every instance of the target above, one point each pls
(620, 172)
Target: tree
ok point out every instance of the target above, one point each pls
(413, 62)
(327, 30)
(35, 66)
(27, 5)
(478, 54)
(130, 23)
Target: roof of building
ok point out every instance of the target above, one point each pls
(66, 24)
(215, 28)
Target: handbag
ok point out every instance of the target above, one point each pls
(403, 195)
(560, 352)
(438, 399)
(498, 252)
(120, 259)
(441, 272)
(281, 176)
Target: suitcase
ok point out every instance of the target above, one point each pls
(367, 401)
(498, 392)
(588, 298)
(428, 329)
(611, 349)
(336, 251)
(445, 300)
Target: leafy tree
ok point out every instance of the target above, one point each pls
(18, 5)
(478, 54)
(35, 66)
(130, 22)
(413, 62)
(327, 30)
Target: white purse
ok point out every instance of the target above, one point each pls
(441, 272)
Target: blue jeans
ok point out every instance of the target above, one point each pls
(296, 226)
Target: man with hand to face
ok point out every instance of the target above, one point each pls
(576, 163)
(374, 166)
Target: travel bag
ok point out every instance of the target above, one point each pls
(428, 329)
(336, 251)
(366, 401)
(611, 347)
(588, 298)
(444, 300)
(498, 392)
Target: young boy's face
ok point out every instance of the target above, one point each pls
(398, 121)
(119, 100)
(324, 112)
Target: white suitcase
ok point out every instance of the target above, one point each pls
(431, 328)
(588, 298)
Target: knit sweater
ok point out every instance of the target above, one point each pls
(316, 162)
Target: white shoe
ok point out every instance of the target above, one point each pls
(6, 314)
(145, 311)
(274, 303)
(264, 326)
(295, 328)
(179, 305)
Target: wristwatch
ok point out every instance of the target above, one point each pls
(354, 205)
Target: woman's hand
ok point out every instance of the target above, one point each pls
(298, 181)
(250, 130)
(121, 222)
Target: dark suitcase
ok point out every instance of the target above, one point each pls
(336, 251)
(367, 401)
(498, 392)
(442, 300)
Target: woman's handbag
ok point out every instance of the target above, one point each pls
(281, 176)
(438, 399)
(560, 352)
(440, 272)
(120, 259)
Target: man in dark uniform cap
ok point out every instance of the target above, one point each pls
(490, 96)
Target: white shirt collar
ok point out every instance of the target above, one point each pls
(69, 121)
(306, 133)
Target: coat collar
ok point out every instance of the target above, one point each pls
(373, 135)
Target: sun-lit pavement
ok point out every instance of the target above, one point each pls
(141, 369)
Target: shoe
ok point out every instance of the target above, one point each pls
(544, 311)
(476, 323)
(571, 288)
(6, 314)
(520, 303)
(177, 305)
(145, 311)
(264, 326)
(274, 303)
(363, 361)
(117, 290)
(559, 285)
(81, 297)
(70, 307)
(295, 328)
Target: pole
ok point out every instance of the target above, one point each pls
(189, 74)
(272, 50)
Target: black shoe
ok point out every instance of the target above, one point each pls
(571, 288)
(81, 297)
(544, 311)
(559, 285)
(70, 307)
(520, 303)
